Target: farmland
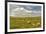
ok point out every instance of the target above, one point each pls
(25, 22)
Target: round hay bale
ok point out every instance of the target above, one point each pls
(28, 22)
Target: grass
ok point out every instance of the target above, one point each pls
(25, 22)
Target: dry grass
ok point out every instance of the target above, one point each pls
(27, 22)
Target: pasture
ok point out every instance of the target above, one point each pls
(25, 22)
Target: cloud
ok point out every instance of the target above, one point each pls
(31, 7)
(36, 11)
(28, 7)
(25, 10)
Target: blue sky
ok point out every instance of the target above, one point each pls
(31, 7)
(28, 7)
(36, 10)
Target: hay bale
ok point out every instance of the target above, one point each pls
(28, 22)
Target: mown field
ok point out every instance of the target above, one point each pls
(25, 22)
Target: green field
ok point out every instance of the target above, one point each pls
(25, 22)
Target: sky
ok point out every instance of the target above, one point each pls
(36, 10)
(28, 7)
